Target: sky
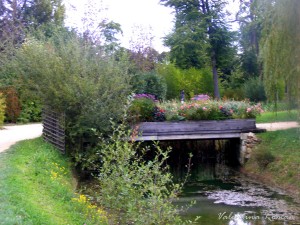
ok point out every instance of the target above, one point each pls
(149, 15)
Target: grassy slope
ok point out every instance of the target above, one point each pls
(284, 172)
(36, 187)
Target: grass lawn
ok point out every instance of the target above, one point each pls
(37, 187)
(280, 116)
(284, 169)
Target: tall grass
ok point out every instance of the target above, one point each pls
(37, 187)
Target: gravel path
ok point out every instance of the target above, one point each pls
(11, 134)
(277, 125)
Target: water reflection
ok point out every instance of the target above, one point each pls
(238, 201)
(239, 219)
(223, 196)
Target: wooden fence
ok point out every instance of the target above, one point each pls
(54, 131)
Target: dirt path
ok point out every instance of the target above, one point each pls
(11, 134)
(277, 125)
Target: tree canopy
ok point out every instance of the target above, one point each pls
(281, 48)
(201, 36)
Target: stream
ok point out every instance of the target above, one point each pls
(232, 199)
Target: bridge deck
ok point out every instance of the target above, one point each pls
(186, 130)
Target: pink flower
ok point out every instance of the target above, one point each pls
(248, 110)
(204, 108)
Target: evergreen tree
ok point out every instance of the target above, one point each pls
(201, 36)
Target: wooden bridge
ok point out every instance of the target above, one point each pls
(188, 130)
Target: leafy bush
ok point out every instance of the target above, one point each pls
(73, 77)
(191, 81)
(13, 106)
(2, 109)
(136, 190)
(150, 83)
(254, 90)
(141, 109)
(31, 112)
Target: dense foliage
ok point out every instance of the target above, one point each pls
(254, 90)
(151, 83)
(75, 78)
(281, 49)
(191, 80)
(201, 37)
(136, 190)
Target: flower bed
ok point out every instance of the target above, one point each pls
(201, 108)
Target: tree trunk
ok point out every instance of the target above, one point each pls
(215, 75)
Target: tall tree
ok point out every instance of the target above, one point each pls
(200, 35)
(281, 48)
(142, 53)
(11, 27)
(250, 17)
(18, 15)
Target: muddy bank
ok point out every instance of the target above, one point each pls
(268, 179)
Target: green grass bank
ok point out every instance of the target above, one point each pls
(276, 160)
(37, 187)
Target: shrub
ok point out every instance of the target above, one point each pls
(136, 190)
(73, 77)
(2, 109)
(13, 106)
(141, 109)
(191, 81)
(31, 112)
(150, 83)
(254, 90)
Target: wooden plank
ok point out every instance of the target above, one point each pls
(189, 137)
(197, 126)
(186, 130)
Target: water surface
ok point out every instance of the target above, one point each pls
(236, 200)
